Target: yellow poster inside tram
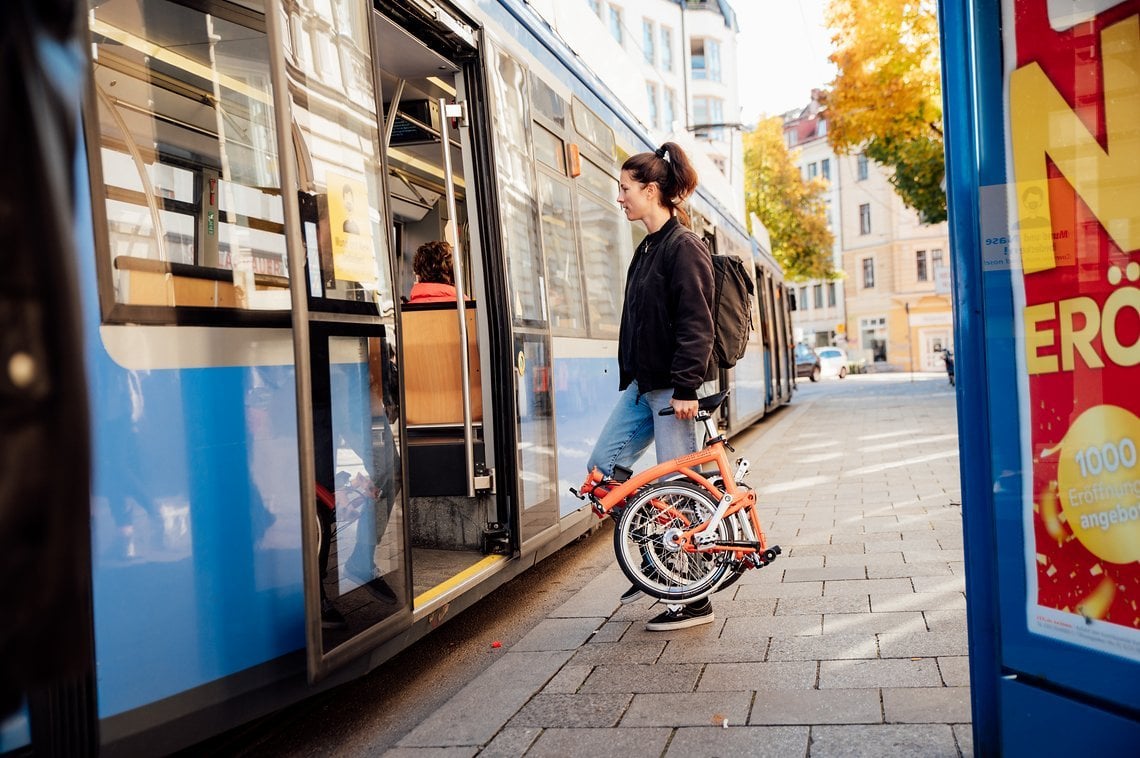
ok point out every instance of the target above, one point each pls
(353, 257)
(1074, 148)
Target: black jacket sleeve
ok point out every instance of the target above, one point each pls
(691, 302)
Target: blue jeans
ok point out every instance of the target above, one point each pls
(633, 424)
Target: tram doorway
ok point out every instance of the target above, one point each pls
(448, 451)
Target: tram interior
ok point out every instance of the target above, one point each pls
(446, 526)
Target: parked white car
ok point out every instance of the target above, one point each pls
(832, 361)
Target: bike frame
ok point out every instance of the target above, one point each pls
(731, 500)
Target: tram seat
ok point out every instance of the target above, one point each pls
(146, 281)
(433, 398)
(433, 392)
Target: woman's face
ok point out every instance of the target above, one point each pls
(635, 198)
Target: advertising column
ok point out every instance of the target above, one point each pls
(1073, 147)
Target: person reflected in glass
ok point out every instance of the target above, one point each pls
(665, 338)
(348, 199)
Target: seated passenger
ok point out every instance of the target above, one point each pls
(433, 269)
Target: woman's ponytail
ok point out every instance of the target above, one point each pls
(669, 166)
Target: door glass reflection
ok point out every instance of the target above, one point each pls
(361, 558)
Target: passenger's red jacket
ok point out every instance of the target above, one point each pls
(431, 292)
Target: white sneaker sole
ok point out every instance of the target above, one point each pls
(667, 626)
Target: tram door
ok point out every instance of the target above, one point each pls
(453, 525)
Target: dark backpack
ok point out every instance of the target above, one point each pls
(732, 309)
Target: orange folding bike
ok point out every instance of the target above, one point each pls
(680, 533)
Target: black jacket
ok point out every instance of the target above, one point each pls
(666, 321)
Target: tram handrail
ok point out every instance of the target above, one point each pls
(460, 310)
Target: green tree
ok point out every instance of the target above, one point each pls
(887, 97)
(794, 211)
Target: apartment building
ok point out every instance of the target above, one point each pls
(819, 318)
(897, 289)
(674, 64)
(894, 309)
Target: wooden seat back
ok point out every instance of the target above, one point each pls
(431, 372)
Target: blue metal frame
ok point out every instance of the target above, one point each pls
(1028, 692)
(960, 87)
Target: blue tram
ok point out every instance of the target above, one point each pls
(295, 473)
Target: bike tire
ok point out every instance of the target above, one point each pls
(644, 557)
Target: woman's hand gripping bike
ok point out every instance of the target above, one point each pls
(681, 533)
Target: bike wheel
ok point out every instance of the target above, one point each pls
(646, 551)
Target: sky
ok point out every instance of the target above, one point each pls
(783, 48)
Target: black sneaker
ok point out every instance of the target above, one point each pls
(633, 593)
(682, 617)
(379, 589)
(331, 618)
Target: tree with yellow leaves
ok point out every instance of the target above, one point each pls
(887, 97)
(794, 211)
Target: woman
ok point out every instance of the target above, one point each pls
(434, 280)
(666, 336)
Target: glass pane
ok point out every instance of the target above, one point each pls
(546, 101)
(334, 107)
(563, 278)
(548, 149)
(358, 476)
(536, 435)
(604, 256)
(598, 181)
(590, 126)
(189, 158)
(516, 187)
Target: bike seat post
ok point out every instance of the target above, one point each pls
(710, 424)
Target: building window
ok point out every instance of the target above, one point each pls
(825, 167)
(868, 273)
(812, 170)
(666, 49)
(873, 337)
(616, 25)
(861, 167)
(936, 261)
(920, 265)
(831, 294)
(712, 59)
(706, 112)
(651, 98)
(803, 298)
(705, 57)
(817, 296)
(596, 7)
(865, 218)
(669, 114)
(648, 41)
(821, 128)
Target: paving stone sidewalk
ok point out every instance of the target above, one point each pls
(853, 643)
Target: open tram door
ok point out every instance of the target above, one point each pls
(403, 519)
(429, 75)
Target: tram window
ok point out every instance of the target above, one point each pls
(549, 149)
(598, 181)
(563, 280)
(335, 111)
(188, 157)
(601, 232)
(590, 126)
(547, 102)
(517, 192)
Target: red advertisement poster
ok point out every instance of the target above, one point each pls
(1073, 141)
